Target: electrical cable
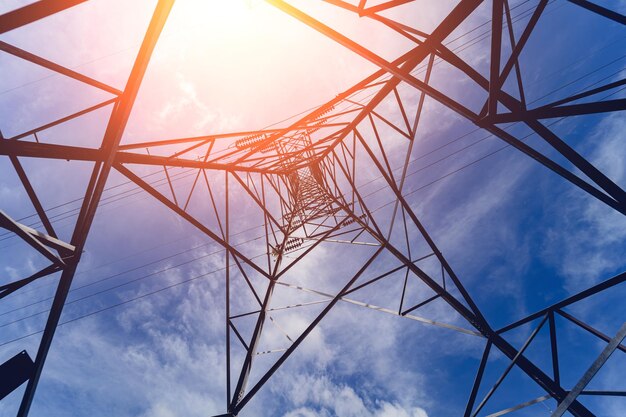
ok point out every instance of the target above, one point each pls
(523, 14)
(411, 192)
(257, 256)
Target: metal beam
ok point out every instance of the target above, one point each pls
(15, 372)
(133, 177)
(243, 401)
(8, 223)
(602, 11)
(35, 59)
(609, 283)
(589, 328)
(11, 287)
(591, 372)
(49, 151)
(473, 316)
(616, 197)
(324, 150)
(497, 10)
(33, 12)
(561, 111)
(112, 137)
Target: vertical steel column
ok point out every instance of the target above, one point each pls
(227, 239)
(496, 48)
(110, 142)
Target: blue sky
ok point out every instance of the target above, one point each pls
(518, 236)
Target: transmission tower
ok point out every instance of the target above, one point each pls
(305, 182)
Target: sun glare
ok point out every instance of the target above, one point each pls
(219, 13)
(237, 54)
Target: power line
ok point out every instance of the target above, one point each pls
(409, 193)
(459, 48)
(379, 177)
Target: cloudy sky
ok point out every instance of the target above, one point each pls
(143, 331)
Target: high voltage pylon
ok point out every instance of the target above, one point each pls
(304, 184)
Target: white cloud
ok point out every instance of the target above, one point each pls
(163, 356)
(187, 106)
(592, 246)
(318, 396)
(307, 412)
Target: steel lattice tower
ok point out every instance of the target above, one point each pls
(302, 180)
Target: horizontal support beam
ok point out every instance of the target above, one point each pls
(561, 111)
(75, 153)
(63, 119)
(144, 159)
(165, 142)
(49, 151)
(602, 11)
(35, 59)
(587, 93)
(33, 12)
(618, 279)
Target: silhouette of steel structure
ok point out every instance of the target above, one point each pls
(303, 180)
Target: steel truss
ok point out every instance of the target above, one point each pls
(304, 180)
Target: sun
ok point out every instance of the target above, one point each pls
(225, 10)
